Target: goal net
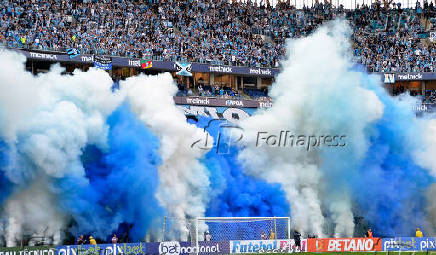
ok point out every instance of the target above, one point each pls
(243, 228)
(226, 228)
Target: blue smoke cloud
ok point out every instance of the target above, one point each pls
(122, 181)
(391, 187)
(386, 186)
(5, 184)
(234, 194)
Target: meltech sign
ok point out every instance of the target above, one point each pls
(343, 244)
(252, 71)
(392, 77)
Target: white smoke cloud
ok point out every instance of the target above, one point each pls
(25, 215)
(47, 120)
(427, 147)
(425, 157)
(315, 94)
(184, 183)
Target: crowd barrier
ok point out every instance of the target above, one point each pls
(233, 247)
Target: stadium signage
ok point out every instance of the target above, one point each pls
(134, 63)
(176, 248)
(103, 249)
(169, 66)
(213, 101)
(259, 71)
(344, 244)
(265, 104)
(252, 246)
(420, 108)
(43, 55)
(238, 103)
(409, 76)
(265, 246)
(197, 101)
(29, 250)
(233, 115)
(87, 58)
(389, 78)
(220, 69)
(409, 244)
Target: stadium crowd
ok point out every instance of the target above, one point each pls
(216, 31)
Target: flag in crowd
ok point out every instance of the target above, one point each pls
(73, 52)
(103, 62)
(146, 64)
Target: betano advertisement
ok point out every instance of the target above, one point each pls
(344, 244)
(266, 246)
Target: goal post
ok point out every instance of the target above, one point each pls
(224, 229)
(242, 228)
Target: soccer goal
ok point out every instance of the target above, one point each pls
(226, 228)
(242, 228)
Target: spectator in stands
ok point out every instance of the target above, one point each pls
(114, 239)
(368, 233)
(217, 32)
(272, 235)
(81, 240)
(263, 235)
(418, 233)
(92, 240)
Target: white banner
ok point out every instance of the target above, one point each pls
(267, 246)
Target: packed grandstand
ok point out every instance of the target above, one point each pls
(386, 36)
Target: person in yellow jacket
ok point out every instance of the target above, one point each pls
(92, 240)
(419, 233)
(272, 235)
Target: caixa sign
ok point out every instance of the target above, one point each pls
(184, 248)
